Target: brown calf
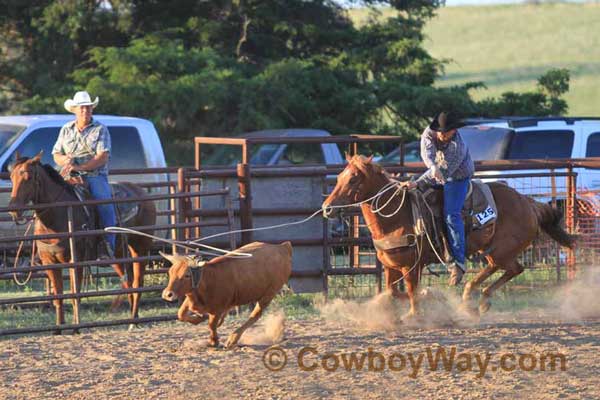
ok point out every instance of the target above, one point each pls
(216, 286)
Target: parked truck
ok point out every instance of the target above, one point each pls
(135, 144)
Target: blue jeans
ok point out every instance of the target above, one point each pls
(455, 194)
(100, 190)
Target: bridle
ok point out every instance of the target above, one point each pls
(37, 188)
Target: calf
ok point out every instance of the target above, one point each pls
(216, 286)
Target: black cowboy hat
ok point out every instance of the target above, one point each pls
(446, 121)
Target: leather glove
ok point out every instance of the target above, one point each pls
(437, 174)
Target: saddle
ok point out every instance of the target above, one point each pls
(125, 211)
(479, 212)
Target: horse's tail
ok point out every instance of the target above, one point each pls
(549, 219)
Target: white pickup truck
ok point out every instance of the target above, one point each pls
(521, 138)
(135, 144)
(541, 138)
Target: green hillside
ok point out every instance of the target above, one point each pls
(509, 47)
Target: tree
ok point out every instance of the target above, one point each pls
(227, 66)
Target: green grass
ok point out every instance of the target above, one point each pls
(508, 47)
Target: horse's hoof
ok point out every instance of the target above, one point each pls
(132, 327)
(76, 332)
(411, 318)
(231, 341)
(484, 306)
(57, 332)
(116, 304)
(465, 308)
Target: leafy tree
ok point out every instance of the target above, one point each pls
(545, 100)
(227, 66)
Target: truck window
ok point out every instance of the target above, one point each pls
(126, 148)
(8, 134)
(541, 144)
(486, 143)
(302, 153)
(593, 145)
(41, 139)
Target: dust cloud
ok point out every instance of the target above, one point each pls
(271, 331)
(580, 299)
(378, 313)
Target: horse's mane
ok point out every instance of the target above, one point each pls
(52, 173)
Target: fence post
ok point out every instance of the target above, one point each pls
(183, 205)
(73, 270)
(230, 220)
(173, 216)
(570, 219)
(245, 194)
(326, 247)
(553, 202)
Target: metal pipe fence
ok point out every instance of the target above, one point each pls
(347, 258)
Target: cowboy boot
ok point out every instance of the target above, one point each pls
(457, 270)
(105, 252)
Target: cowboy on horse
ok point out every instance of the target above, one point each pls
(449, 164)
(83, 146)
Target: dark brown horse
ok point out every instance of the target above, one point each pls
(35, 183)
(518, 223)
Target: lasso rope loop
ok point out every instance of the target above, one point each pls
(181, 244)
(19, 253)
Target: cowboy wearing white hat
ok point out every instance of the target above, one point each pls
(80, 99)
(84, 146)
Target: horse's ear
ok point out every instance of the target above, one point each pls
(348, 156)
(369, 159)
(171, 258)
(38, 157)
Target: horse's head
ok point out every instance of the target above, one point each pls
(23, 175)
(356, 183)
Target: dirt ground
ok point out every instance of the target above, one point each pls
(171, 361)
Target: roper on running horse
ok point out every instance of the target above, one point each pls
(449, 164)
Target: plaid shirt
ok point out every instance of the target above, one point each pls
(453, 158)
(84, 146)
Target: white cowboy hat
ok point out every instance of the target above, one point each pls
(80, 99)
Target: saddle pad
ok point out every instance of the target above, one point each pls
(126, 211)
(484, 206)
(480, 203)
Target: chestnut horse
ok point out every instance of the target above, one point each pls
(518, 223)
(33, 182)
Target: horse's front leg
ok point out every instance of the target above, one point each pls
(125, 284)
(411, 282)
(392, 279)
(56, 284)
